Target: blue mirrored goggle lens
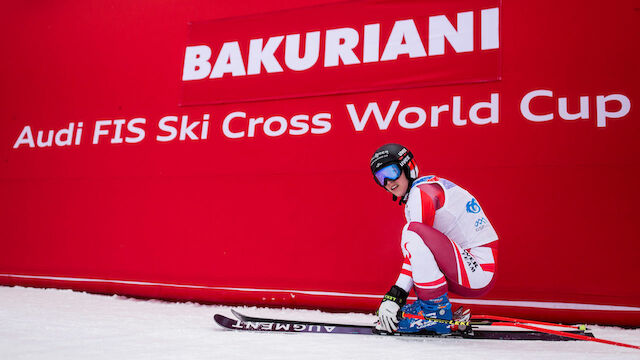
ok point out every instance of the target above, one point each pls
(389, 172)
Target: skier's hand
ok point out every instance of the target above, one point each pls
(388, 316)
(389, 308)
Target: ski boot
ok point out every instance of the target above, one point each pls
(438, 308)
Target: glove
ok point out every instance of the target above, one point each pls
(388, 316)
(389, 309)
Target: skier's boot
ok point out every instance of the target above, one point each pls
(438, 308)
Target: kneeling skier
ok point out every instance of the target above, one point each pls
(448, 243)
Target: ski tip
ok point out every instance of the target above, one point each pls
(219, 318)
(238, 315)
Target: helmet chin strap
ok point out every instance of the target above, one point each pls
(405, 197)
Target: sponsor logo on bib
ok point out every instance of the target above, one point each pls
(473, 206)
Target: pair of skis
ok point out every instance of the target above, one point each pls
(479, 327)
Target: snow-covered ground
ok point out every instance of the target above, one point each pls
(62, 324)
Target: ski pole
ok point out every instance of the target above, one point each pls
(565, 334)
(523, 321)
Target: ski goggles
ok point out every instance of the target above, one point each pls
(389, 172)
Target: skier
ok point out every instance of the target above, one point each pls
(448, 243)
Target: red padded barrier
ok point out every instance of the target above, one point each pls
(229, 212)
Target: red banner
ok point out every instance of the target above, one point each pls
(333, 49)
(107, 185)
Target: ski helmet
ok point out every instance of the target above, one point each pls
(394, 154)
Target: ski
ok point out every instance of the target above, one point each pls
(476, 320)
(272, 325)
(246, 318)
(291, 326)
(477, 332)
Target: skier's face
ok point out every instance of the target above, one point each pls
(399, 186)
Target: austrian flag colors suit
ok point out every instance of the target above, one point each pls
(448, 242)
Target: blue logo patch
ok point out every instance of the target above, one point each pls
(480, 221)
(473, 206)
(481, 224)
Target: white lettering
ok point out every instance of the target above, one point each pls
(186, 129)
(196, 63)
(26, 137)
(404, 39)
(298, 125)
(205, 127)
(601, 108)
(311, 51)
(97, 132)
(238, 325)
(48, 142)
(371, 43)
(63, 137)
(461, 39)
(489, 29)
(267, 326)
(383, 124)
(339, 45)
(78, 133)
(435, 114)
(117, 136)
(525, 108)
(131, 127)
(402, 117)
(282, 127)
(67, 133)
(252, 125)
(227, 120)
(167, 128)
(455, 112)
(229, 61)
(493, 111)
(321, 121)
(264, 56)
(582, 114)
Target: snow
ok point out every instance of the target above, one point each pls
(63, 324)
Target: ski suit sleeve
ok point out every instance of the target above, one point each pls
(405, 279)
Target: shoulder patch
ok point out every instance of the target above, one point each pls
(447, 184)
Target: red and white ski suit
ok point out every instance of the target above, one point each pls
(448, 242)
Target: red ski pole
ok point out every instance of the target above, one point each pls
(565, 334)
(523, 321)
